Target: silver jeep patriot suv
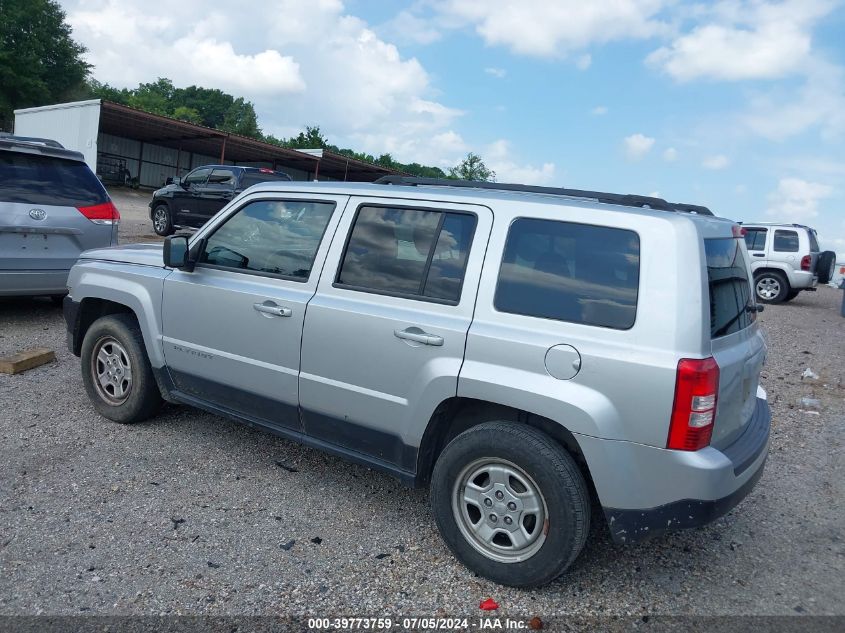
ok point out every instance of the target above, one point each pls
(523, 351)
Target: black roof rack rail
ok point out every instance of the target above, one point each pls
(628, 200)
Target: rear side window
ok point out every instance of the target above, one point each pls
(755, 239)
(786, 241)
(254, 177)
(570, 272)
(730, 289)
(415, 253)
(221, 178)
(34, 179)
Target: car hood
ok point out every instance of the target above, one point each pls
(143, 254)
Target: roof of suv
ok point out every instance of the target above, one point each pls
(42, 146)
(470, 191)
(789, 224)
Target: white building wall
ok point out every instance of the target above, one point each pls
(74, 125)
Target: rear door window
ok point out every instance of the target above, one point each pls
(786, 241)
(730, 289)
(35, 179)
(415, 253)
(570, 272)
(755, 239)
(221, 179)
(254, 177)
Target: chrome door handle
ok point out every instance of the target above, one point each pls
(758, 254)
(269, 307)
(419, 336)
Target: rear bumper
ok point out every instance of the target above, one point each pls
(645, 491)
(799, 280)
(33, 282)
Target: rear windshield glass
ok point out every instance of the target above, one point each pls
(730, 289)
(34, 179)
(814, 243)
(254, 177)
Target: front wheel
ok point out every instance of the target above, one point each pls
(116, 371)
(510, 503)
(771, 287)
(162, 222)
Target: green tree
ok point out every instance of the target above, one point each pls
(472, 168)
(312, 138)
(241, 119)
(99, 90)
(156, 97)
(39, 61)
(184, 113)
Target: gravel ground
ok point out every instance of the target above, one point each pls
(193, 514)
(135, 223)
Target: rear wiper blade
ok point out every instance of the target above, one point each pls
(747, 308)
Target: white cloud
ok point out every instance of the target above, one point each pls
(584, 62)
(599, 110)
(739, 40)
(786, 112)
(797, 200)
(301, 63)
(554, 29)
(499, 73)
(498, 157)
(638, 145)
(715, 163)
(670, 155)
(407, 27)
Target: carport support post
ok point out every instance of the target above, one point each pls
(178, 158)
(223, 150)
(317, 170)
(140, 159)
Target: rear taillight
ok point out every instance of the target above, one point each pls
(105, 213)
(806, 261)
(696, 389)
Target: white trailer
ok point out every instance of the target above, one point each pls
(75, 125)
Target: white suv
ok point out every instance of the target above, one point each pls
(783, 260)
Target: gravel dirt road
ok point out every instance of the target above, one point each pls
(194, 514)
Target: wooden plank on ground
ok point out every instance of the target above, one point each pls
(27, 359)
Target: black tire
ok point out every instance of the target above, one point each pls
(564, 495)
(162, 220)
(142, 398)
(791, 295)
(825, 266)
(774, 281)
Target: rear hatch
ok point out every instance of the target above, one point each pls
(736, 341)
(44, 201)
(814, 250)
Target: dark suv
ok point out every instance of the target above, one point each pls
(191, 201)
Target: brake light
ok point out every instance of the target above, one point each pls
(805, 262)
(738, 231)
(696, 390)
(105, 213)
(264, 170)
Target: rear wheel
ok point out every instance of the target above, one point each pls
(510, 503)
(771, 287)
(116, 371)
(162, 222)
(826, 266)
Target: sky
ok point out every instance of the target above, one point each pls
(738, 105)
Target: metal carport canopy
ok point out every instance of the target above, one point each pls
(127, 122)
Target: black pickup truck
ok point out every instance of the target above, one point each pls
(191, 201)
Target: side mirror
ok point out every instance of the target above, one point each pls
(176, 251)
